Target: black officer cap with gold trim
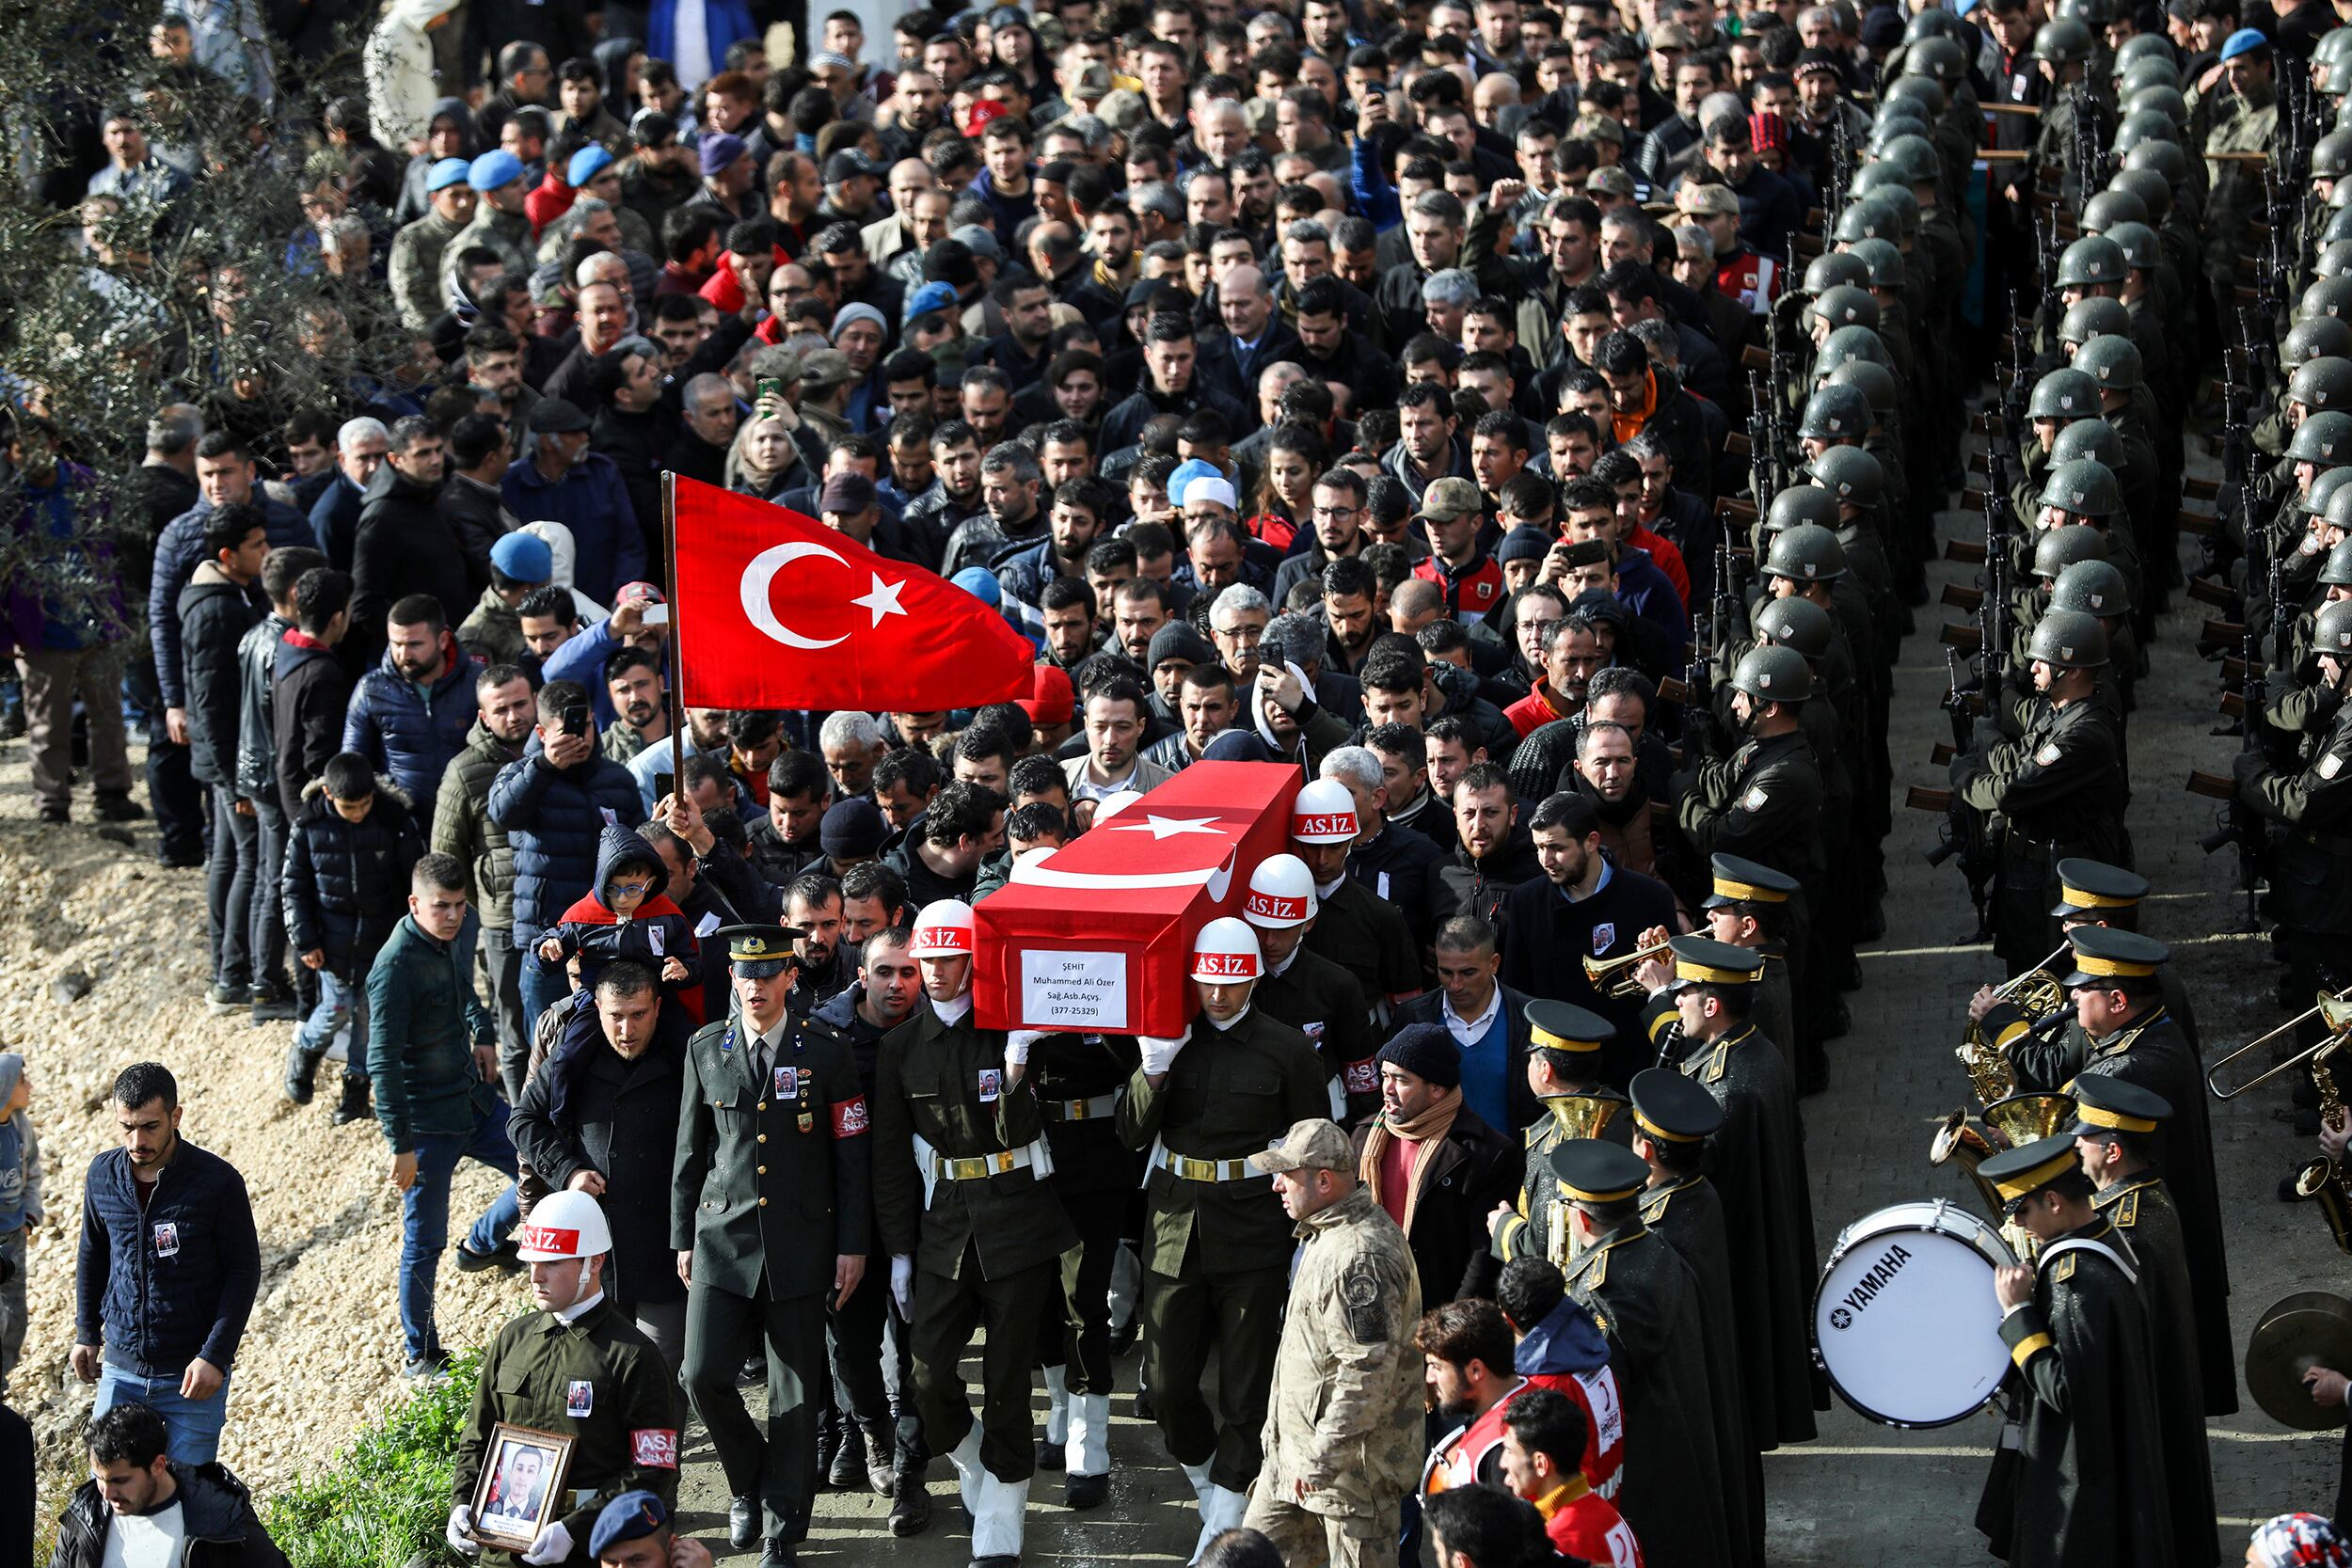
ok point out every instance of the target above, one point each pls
(759, 952)
(1591, 1171)
(2096, 888)
(2104, 1105)
(2104, 955)
(1672, 1108)
(1704, 962)
(2020, 1173)
(1562, 1026)
(1744, 881)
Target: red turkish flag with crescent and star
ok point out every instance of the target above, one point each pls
(775, 610)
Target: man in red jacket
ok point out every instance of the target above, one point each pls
(1542, 1446)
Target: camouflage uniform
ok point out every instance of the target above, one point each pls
(415, 269)
(2245, 123)
(508, 233)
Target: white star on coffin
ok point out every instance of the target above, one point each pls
(1168, 827)
(883, 599)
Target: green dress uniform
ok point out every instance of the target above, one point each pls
(1539, 1229)
(1368, 939)
(956, 1187)
(770, 1186)
(596, 1380)
(1328, 1006)
(1217, 1249)
(2142, 1213)
(1687, 1213)
(1078, 1080)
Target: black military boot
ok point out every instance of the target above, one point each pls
(354, 1106)
(910, 1503)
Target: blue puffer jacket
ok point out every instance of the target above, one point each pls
(346, 884)
(555, 820)
(411, 733)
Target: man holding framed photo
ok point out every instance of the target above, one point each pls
(574, 1406)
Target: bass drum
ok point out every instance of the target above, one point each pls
(1905, 1321)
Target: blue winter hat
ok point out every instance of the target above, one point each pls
(930, 298)
(1186, 471)
(523, 557)
(627, 1517)
(980, 583)
(493, 169)
(448, 173)
(2246, 41)
(585, 165)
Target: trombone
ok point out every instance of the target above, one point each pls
(2334, 1011)
(1615, 976)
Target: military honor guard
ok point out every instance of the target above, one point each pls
(1565, 1048)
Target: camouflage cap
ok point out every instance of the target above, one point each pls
(1316, 1143)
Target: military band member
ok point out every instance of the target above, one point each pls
(975, 1237)
(1307, 991)
(2113, 1121)
(2087, 1483)
(1564, 1049)
(772, 1182)
(1218, 1252)
(1748, 906)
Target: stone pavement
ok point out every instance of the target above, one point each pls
(1863, 1495)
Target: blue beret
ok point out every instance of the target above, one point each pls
(585, 162)
(448, 173)
(493, 169)
(982, 584)
(930, 298)
(524, 557)
(628, 1517)
(2246, 41)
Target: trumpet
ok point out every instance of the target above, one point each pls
(2334, 1011)
(1615, 976)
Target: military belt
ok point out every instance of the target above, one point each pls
(1206, 1170)
(1080, 1110)
(978, 1167)
(2332, 844)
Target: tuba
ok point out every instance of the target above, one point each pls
(2010, 1122)
(2036, 994)
(1584, 1115)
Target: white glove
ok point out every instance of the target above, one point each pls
(1017, 1044)
(458, 1532)
(1159, 1053)
(553, 1545)
(902, 1282)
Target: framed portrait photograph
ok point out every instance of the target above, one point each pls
(521, 1488)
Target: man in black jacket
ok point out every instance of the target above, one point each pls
(309, 686)
(217, 609)
(405, 544)
(1434, 1163)
(256, 773)
(131, 1478)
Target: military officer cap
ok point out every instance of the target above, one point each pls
(1831, 268)
(2092, 588)
(1744, 881)
(1564, 1026)
(2064, 394)
(631, 1516)
(1672, 1108)
(2017, 1174)
(2336, 571)
(2106, 954)
(1315, 1143)
(759, 952)
(1795, 623)
(1875, 382)
(1800, 503)
(2323, 381)
(1592, 1171)
(1850, 474)
(2107, 1104)
(2094, 887)
(2087, 319)
(1835, 413)
(1704, 961)
(2112, 360)
(2060, 547)
(2324, 439)
(2083, 488)
(2067, 640)
(1846, 305)
(2094, 259)
(1806, 553)
(2093, 438)
(2332, 630)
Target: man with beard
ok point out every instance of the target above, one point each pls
(462, 829)
(1019, 351)
(1073, 525)
(408, 714)
(1331, 346)
(1009, 482)
(1494, 854)
(954, 498)
(1571, 653)
(1432, 231)
(1605, 774)
(911, 116)
(1169, 361)
(633, 681)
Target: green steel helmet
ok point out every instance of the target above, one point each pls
(2326, 296)
(2339, 223)
(2340, 194)
(1906, 206)
(1851, 475)
(1878, 176)
(1832, 267)
(1850, 343)
(2331, 155)
(1795, 623)
(1938, 58)
(2142, 250)
(2163, 156)
(2090, 14)
(2154, 190)
(2333, 260)
(2325, 382)
(2087, 319)
(2093, 438)
(2094, 259)
(1773, 674)
(1846, 306)
(2146, 71)
(1916, 157)
(2083, 488)
(1920, 91)
(2146, 46)
(1867, 219)
(1798, 504)
(2320, 500)
(2146, 126)
(2333, 45)
(1896, 116)
(2331, 630)
(2324, 440)
(2064, 394)
(2111, 360)
(2060, 547)
(1932, 22)
(1806, 553)
(1883, 260)
(2161, 99)
(2334, 79)
(2067, 639)
(2108, 208)
(2062, 41)
(1834, 414)
(2093, 587)
(1875, 382)
(2336, 571)
(2320, 338)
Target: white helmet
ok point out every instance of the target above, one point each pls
(1282, 894)
(942, 930)
(1226, 953)
(1324, 812)
(564, 1225)
(1116, 801)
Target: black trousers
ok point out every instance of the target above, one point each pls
(947, 1310)
(779, 1469)
(171, 789)
(1074, 1331)
(858, 1334)
(1237, 1317)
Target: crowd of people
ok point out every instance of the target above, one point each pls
(1528, 423)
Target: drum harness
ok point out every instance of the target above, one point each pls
(2012, 1414)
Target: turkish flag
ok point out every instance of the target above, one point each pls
(775, 610)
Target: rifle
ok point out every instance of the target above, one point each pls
(1965, 830)
(1759, 440)
(2238, 823)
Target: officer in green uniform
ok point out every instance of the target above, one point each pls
(1565, 1045)
(1307, 991)
(975, 1237)
(579, 1369)
(769, 1210)
(2246, 121)
(1218, 1252)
